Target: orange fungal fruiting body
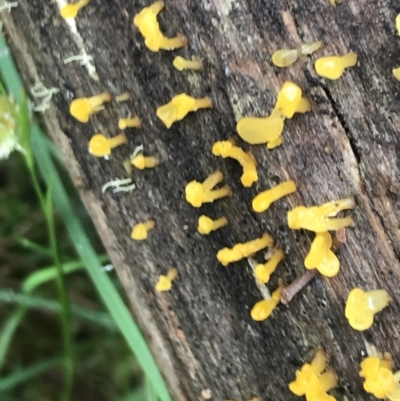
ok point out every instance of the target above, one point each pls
(263, 200)
(362, 306)
(182, 64)
(179, 107)
(262, 310)
(206, 225)
(240, 251)
(71, 10)
(198, 193)
(141, 162)
(332, 67)
(320, 218)
(101, 146)
(83, 108)
(246, 160)
(149, 27)
(263, 271)
(165, 282)
(321, 257)
(141, 230)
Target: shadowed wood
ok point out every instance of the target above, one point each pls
(201, 332)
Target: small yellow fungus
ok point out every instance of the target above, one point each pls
(165, 282)
(398, 23)
(206, 225)
(313, 382)
(198, 193)
(71, 10)
(141, 162)
(321, 257)
(83, 108)
(123, 97)
(290, 100)
(241, 251)
(362, 306)
(141, 230)
(320, 218)
(264, 271)
(149, 27)
(134, 122)
(335, 2)
(396, 73)
(263, 200)
(182, 64)
(101, 146)
(180, 106)
(332, 67)
(246, 160)
(286, 57)
(262, 310)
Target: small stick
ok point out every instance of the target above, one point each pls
(291, 290)
(339, 239)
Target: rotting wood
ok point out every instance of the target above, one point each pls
(201, 332)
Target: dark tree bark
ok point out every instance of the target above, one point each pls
(201, 332)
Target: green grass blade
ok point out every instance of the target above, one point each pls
(32, 246)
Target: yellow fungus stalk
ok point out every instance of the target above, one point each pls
(206, 225)
(141, 230)
(263, 200)
(241, 251)
(101, 146)
(182, 64)
(263, 271)
(134, 122)
(398, 24)
(141, 162)
(165, 282)
(71, 10)
(361, 307)
(332, 67)
(179, 107)
(83, 108)
(262, 310)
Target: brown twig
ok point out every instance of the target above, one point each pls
(291, 290)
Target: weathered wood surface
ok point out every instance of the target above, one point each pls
(201, 332)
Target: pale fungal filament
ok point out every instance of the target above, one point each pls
(117, 183)
(165, 282)
(141, 162)
(123, 97)
(206, 225)
(149, 27)
(246, 160)
(8, 6)
(198, 193)
(100, 146)
(40, 91)
(83, 59)
(179, 107)
(263, 271)
(83, 108)
(262, 310)
(71, 10)
(182, 64)
(286, 57)
(332, 67)
(141, 231)
(134, 122)
(241, 251)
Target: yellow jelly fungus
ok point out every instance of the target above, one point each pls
(241, 251)
(83, 108)
(134, 122)
(182, 64)
(71, 10)
(141, 162)
(263, 200)
(180, 106)
(165, 282)
(313, 382)
(335, 2)
(206, 225)
(262, 310)
(398, 23)
(396, 73)
(361, 307)
(246, 160)
(286, 57)
(101, 146)
(320, 218)
(332, 67)
(141, 230)
(264, 271)
(198, 193)
(321, 257)
(149, 27)
(290, 100)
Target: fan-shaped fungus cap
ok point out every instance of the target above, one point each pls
(320, 218)
(84, 107)
(71, 10)
(321, 257)
(101, 146)
(332, 67)
(290, 100)
(198, 193)
(264, 271)
(361, 307)
(240, 251)
(141, 162)
(206, 225)
(229, 149)
(149, 27)
(317, 390)
(182, 64)
(179, 107)
(165, 282)
(141, 230)
(263, 200)
(262, 310)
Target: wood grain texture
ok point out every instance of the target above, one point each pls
(201, 332)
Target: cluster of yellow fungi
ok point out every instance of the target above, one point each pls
(286, 57)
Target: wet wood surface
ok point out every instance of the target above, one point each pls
(201, 332)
